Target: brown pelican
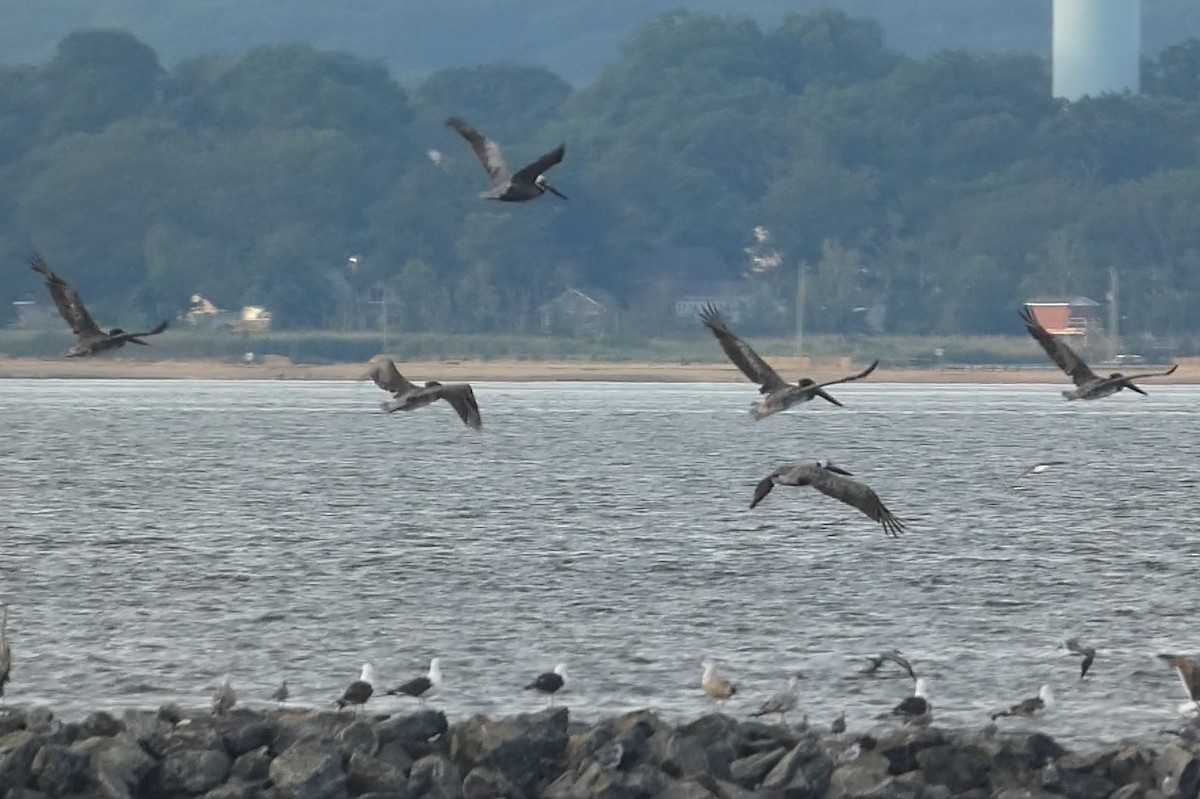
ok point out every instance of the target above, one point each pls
(281, 693)
(1086, 652)
(418, 686)
(1031, 706)
(833, 482)
(917, 708)
(782, 703)
(716, 687)
(528, 183)
(90, 338)
(408, 397)
(890, 656)
(550, 682)
(358, 692)
(224, 697)
(780, 394)
(1189, 675)
(5, 650)
(1088, 384)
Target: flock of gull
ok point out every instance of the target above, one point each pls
(778, 395)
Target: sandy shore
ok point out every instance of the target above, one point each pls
(277, 368)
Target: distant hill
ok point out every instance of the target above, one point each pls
(573, 38)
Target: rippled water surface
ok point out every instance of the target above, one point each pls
(157, 534)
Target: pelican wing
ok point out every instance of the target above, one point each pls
(1059, 352)
(486, 150)
(384, 373)
(858, 376)
(1153, 374)
(1073, 645)
(462, 398)
(70, 307)
(742, 355)
(132, 338)
(529, 173)
(859, 495)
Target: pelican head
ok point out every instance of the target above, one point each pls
(543, 186)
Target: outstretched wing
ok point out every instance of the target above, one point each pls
(132, 338)
(383, 371)
(486, 150)
(462, 398)
(1059, 352)
(1153, 374)
(895, 657)
(67, 299)
(851, 378)
(1189, 674)
(742, 355)
(857, 494)
(528, 174)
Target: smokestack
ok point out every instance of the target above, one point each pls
(1097, 47)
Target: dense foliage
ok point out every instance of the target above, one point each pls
(925, 195)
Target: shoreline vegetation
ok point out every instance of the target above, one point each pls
(275, 367)
(291, 751)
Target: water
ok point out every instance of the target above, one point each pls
(157, 534)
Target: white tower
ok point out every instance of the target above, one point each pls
(1097, 47)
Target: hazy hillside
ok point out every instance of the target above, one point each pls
(572, 38)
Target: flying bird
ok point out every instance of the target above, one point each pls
(890, 656)
(1088, 384)
(780, 395)
(90, 339)
(5, 650)
(407, 396)
(782, 703)
(1086, 652)
(224, 698)
(358, 692)
(549, 683)
(1037, 468)
(417, 687)
(281, 693)
(1189, 675)
(1031, 706)
(527, 183)
(917, 708)
(715, 686)
(835, 482)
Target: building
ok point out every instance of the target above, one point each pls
(578, 314)
(1070, 316)
(1096, 47)
(731, 298)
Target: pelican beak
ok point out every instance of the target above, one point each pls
(554, 191)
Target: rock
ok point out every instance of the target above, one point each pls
(528, 749)
(11, 720)
(311, 769)
(415, 727)
(959, 768)
(730, 790)
(118, 765)
(685, 789)
(237, 790)
(486, 783)
(365, 774)
(1132, 764)
(1130, 791)
(1023, 793)
(435, 776)
(358, 737)
(901, 746)
(803, 773)
(192, 771)
(17, 750)
(1034, 750)
(749, 771)
(101, 724)
(183, 738)
(1178, 770)
(243, 738)
(40, 719)
(1079, 784)
(394, 754)
(596, 782)
(858, 777)
(252, 766)
(645, 720)
(58, 770)
(293, 727)
(681, 756)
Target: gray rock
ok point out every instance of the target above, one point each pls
(415, 727)
(252, 766)
(101, 724)
(239, 739)
(26, 793)
(1179, 770)
(365, 774)
(237, 790)
(435, 776)
(17, 750)
(118, 765)
(192, 771)
(309, 769)
(40, 719)
(1130, 791)
(11, 720)
(959, 768)
(730, 790)
(58, 770)
(183, 738)
(1034, 750)
(682, 756)
(1132, 764)
(528, 749)
(644, 720)
(685, 789)
(901, 746)
(358, 737)
(803, 773)
(858, 777)
(294, 726)
(749, 771)
(395, 754)
(141, 724)
(486, 783)
(640, 782)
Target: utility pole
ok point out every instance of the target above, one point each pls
(801, 296)
(1114, 338)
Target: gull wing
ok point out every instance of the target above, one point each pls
(70, 307)
(743, 356)
(895, 657)
(462, 398)
(856, 494)
(1062, 355)
(385, 374)
(529, 173)
(487, 151)
(1189, 674)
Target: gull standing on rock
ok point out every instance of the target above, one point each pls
(281, 693)
(224, 697)
(419, 686)
(716, 687)
(549, 683)
(782, 702)
(358, 692)
(917, 708)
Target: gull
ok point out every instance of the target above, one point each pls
(1088, 384)
(407, 396)
(782, 703)
(839, 724)
(835, 482)
(1189, 676)
(716, 687)
(89, 338)
(1088, 653)
(224, 697)
(1031, 706)
(780, 394)
(890, 656)
(549, 683)
(528, 183)
(1037, 468)
(417, 687)
(359, 691)
(281, 693)
(917, 708)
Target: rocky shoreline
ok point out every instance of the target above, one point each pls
(173, 752)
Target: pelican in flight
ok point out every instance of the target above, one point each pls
(1086, 652)
(5, 651)
(1031, 706)
(528, 183)
(1189, 675)
(90, 339)
(407, 396)
(832, 482)
(783, 702)
(890, 656)
(1088, 384)
(780, 394)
